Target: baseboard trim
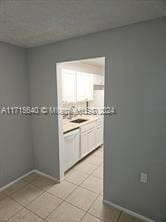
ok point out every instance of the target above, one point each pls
(47, 176)
(32, 171)
(16, 180)
(132, 213)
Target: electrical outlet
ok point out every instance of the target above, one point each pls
(143, 177)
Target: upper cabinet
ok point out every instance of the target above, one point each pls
(98, 79)
(84, 86)
(76, 86)
(68, 86)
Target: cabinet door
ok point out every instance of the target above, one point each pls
(81, 86)
(91, 139)
(99, 135)
(89, 87)
(98, 79)
(84, 86)
(68, 86)
(84, 144)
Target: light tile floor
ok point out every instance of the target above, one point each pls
(77, 199)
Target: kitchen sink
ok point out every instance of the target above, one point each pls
(78, 120)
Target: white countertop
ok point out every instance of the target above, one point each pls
(68, 125)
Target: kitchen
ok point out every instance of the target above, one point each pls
(82, 104)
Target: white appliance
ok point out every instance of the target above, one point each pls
(71, 148)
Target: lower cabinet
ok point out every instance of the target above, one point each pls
(99, 135)
(88, 141)
(84, 144)
(91, 137)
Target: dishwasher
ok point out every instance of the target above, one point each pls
(71, 148)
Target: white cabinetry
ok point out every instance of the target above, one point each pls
(98, 79)
(76, 86)
(84, 144)
(88, 141)
(99, 133)
(91, 137)
(78, 143)
(84, 86)
(68, 86)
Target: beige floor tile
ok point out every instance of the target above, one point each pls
(98, 172)
(31, 177)
(82, 198)
(104, 211)
(90, 218)
(25, 216)
(8, 208)
(85, 167)
(2, 196)
(43, 182)
(95, 160)
(75, 176)
(128, 218)
(27, 194)
(44, 205)
(93, 184)
(15, 187)
(62, 190)
(66, 213)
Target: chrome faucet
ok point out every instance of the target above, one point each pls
(73, 112)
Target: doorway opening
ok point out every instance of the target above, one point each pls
(81, 126)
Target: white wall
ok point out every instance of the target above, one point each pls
(135, 139)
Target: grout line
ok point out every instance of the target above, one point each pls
(63, 200)
(55, 209)
(77, 186)
(29, 202)
(16, 213)
(87, 175)
(82, 217)
(93, 202)
(97, 217)
(25, 206)
(21, 188)
(34, 213)
(66, 201)
(119, 216)
(48, 214)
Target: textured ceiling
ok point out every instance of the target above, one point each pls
(30, 23)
